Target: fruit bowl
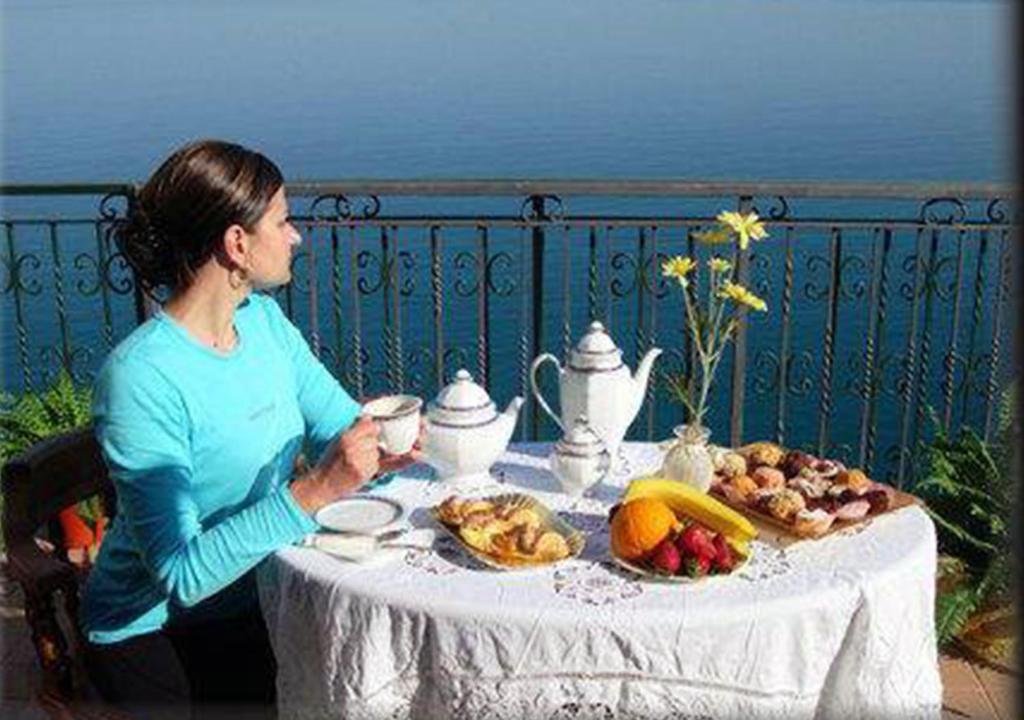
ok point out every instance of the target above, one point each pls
(669, 531)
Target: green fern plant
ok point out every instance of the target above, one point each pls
(969, 491)
(33, 416)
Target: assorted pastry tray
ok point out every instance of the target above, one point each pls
(798, 493)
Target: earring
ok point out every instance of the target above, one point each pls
(237, 277)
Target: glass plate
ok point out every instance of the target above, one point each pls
(548, 521)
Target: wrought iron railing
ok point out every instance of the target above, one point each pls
(886, 300)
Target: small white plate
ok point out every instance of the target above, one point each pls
(363, 514)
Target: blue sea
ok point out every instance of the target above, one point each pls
(867, 90)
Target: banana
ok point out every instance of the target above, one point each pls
(689, 502)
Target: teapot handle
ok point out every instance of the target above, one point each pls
(537, 362)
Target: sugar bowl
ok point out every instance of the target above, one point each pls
(580, 459)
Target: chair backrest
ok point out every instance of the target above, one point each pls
(49, 476)
(37, 484)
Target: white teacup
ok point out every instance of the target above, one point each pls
(398, 417)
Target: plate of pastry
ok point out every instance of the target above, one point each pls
(803, 495)
(509, 531)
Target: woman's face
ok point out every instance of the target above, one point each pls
(273, 241)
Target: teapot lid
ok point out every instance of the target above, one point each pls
(595, 351)
(580, 440)
(462, 403)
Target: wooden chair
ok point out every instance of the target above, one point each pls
(37, 485)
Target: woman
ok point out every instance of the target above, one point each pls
(202, 413)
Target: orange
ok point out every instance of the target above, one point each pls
(638, 527)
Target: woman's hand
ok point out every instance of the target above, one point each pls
(349, 462)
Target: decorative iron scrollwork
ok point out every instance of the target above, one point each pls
(498, 261)
(535, 208)
(300, 281)
(110, 208)
(387, 272)
(766, 372)
(369, 207)
(619, 261)
(943, 211)
(650, 275)
(778, 211)
(32, 287)
(85, 261)
(761, 264)
(467, 287)
(117, 274)
(996, 212)
(930, 275)
(852, 289)
(799, 368)
(455, 358)
(813, 291)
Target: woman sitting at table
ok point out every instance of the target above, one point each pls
(202, 413)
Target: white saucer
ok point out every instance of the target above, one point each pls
(361, 514)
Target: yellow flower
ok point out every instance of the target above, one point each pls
(678, 267)
(747, 227)
(714, 237)
(719, 265)
(739, 294)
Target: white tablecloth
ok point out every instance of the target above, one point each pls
(837, 628)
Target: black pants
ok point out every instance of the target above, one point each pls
(203, 669)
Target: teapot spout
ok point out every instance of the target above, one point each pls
(512, 411)
(509, 417)
(643, 374)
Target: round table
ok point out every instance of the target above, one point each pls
(839, 627)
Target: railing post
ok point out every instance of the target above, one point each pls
(739, 348)
(537, 215)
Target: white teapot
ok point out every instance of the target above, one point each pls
(465, 434)
(597, 384)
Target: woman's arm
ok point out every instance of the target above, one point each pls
(144, 430)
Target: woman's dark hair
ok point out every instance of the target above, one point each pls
(178, 218)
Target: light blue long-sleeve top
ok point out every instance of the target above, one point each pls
(201, 447)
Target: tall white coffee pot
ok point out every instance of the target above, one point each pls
(596, 383)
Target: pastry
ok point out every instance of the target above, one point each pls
(763, 453)
(786, 503)
(733, 465)
(524, 516)
(812, 487)
(795, 461)
(526, 539)
(853, 510)
(768, 477)
(812, 523)
(551, 546)
(856, 480)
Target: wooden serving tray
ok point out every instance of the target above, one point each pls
(900, 500)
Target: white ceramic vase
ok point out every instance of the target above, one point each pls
(689, 460)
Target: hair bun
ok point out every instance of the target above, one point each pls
(146, 247)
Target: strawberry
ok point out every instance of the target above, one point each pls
(724, 559)
(665, 559)
(696, 566)
(695, 543)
